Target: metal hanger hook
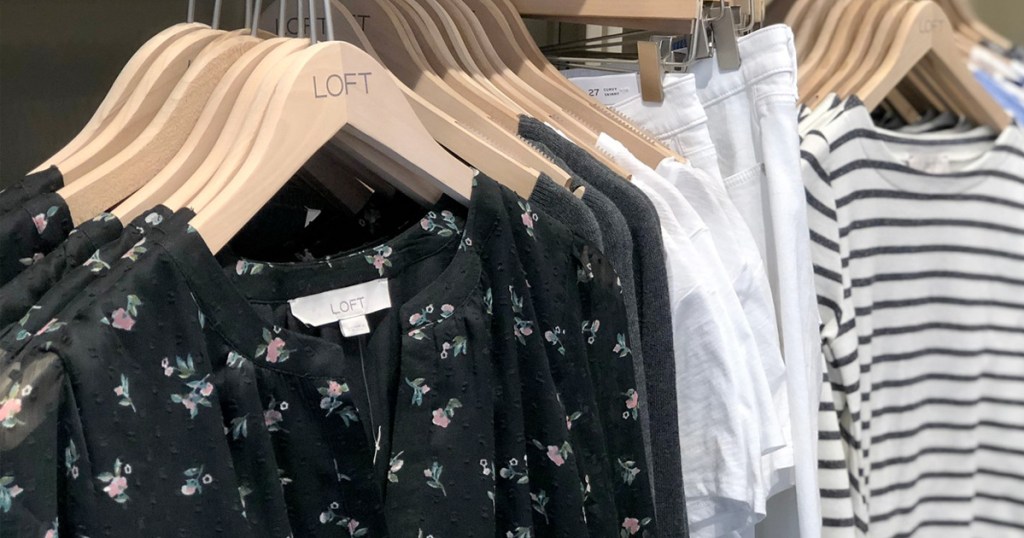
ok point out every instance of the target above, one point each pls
(312, 22)
(216, 13)
(329, 19)
(248, 14)
(257, 7)
(190, 15)
(281, 22)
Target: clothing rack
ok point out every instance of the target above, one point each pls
(659, 15)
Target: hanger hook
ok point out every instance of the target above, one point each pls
(301, 32)
(256, 8)
(329, 18)
(216, 13)
(312, 22)
(281, 22)
(248, 14)
(190, 15)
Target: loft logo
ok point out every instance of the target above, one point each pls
(350, 306)
(341, 84)
(930, 25)
(362, 20)
(291, 27)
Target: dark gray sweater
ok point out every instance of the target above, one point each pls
(651, 300)
(559, 203)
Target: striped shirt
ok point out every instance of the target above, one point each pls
(918, 249)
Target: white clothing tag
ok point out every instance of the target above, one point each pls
(610, 89)
(932, 164)
(354, 326)
(311, 215)
(343, 303)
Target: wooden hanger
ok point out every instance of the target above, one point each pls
(967, 22)
(297, 123)
(926, 33)
(828, 38)
(517, 50)
(247, 72)
(870, 62)
(141, 106)
(427, 85)
(847, 39)
(144, 155)
(660, 15)
(808, 24)
(441, 58)
(132, 73)
(844, 61)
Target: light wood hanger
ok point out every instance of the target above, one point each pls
(967, 22)
(141, 106)
(828, 38)
(431, 42)
(850, 57)
(239, 132)
(514, 157)
(132, 73)
(570, 126)
(660, 15)
(808, 26)
(143, 156)
(881, 42)
(925, 32)
(297, 124)
(248, 71)
(849, 40)
(427, 85)
(520, 53)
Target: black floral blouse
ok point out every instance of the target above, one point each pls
(30, 231)
(493, 398)
(27, 303)
(30, 186)
(28, 287)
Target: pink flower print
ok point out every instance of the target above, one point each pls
(120, 319)
(188, 490)
(379, 259)
(50, 534)
(427, 473)
(40, 222)
(526, 331)
(378, 262)
(273, 347)
(447, 310)
(274, 350)
(440, 418)
(633, 400)
(415, 319)
(425, 389)
(527, 220)
(116, 486)
(352, 526)
(333, 389)
(189, 404)
(240, 267)
(207, 389)
(10, 408)
(425, 224)
(632, 525)
(119, 391)
(555, 456)
(168, 370)
(272, 417)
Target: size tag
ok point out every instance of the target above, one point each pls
(932, 164)
(342, 304)
(609, 89)
(354, 326)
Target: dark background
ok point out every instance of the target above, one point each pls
(59, 57)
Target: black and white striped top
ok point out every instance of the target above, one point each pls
(918, 248)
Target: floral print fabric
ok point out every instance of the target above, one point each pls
(30, 232)
(494, 398)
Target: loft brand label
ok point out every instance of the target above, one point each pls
(338, 84)
(609, 90)
(291, 26)
(342, 304)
